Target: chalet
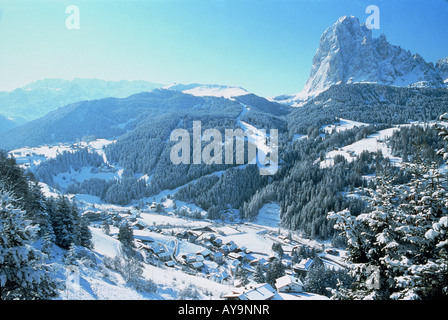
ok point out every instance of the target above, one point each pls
(289, 284)
(164, 256)
(156, 248)
(251, 259)
(197, 265)
(219, 276)
(262, 291)
(231, 246)
(243, 256)
(192, 235)
(170, 263)
(203, 229)
(217, 242)
(199, 258)
(181, 234)
(204, 252)
(303, 266)
(207, 245)
(261, 261)
(218, 257)
(244, 249)
(189, 258)
(235, 256)
(286, 263)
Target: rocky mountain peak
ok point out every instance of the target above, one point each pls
(348, 53)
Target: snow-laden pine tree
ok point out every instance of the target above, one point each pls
(398, 250)
(70, 256)
(259, 274)
(369, 239)
(23, 272)
(126, 236)
(64, 223)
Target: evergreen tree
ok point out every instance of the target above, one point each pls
(399, 247)
(63, 221)
(277, 248)
(70, 257)
(23, 273)
(274, 271)
(126, 236)
(105, 227)
(47, 243)
(259, 274)
(85, 236)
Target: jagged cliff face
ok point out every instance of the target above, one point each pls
(442, 66)
(348, 53)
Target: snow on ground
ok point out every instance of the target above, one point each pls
(253, 241)
(105, 285)
(31, 157)
(258, 138)
(104, 244)
(342, 125)
(269, 215)
(373, 143)
(100, 282)
(48, 191)
(64, 179)
(170, 220)
(298, 137)
(212, 90)
(302, 296)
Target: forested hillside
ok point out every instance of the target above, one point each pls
(305, 191)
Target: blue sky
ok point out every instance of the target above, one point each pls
(265, 46)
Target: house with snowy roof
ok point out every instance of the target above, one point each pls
(218, 257)
(219, 276)
(164, 256)
(289, 284)
(196, 265)
(217, 242)
(263, 291)
(204, 252)
(303, 266)
(188, 257)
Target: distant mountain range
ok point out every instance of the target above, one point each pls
(40, 97)
(6, 124)
(348, 53)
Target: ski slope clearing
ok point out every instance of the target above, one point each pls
(373, 143)
(342, 125)
(32, 157)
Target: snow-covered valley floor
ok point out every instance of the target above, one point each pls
(241, 242)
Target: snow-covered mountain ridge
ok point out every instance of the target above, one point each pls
(208, 90)
(348, 53)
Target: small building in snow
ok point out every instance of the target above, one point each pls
(197, 265)
(164, 256)
(170, 263)
(289, 284)
(303, 266)
(218, 257)
(262, 291)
